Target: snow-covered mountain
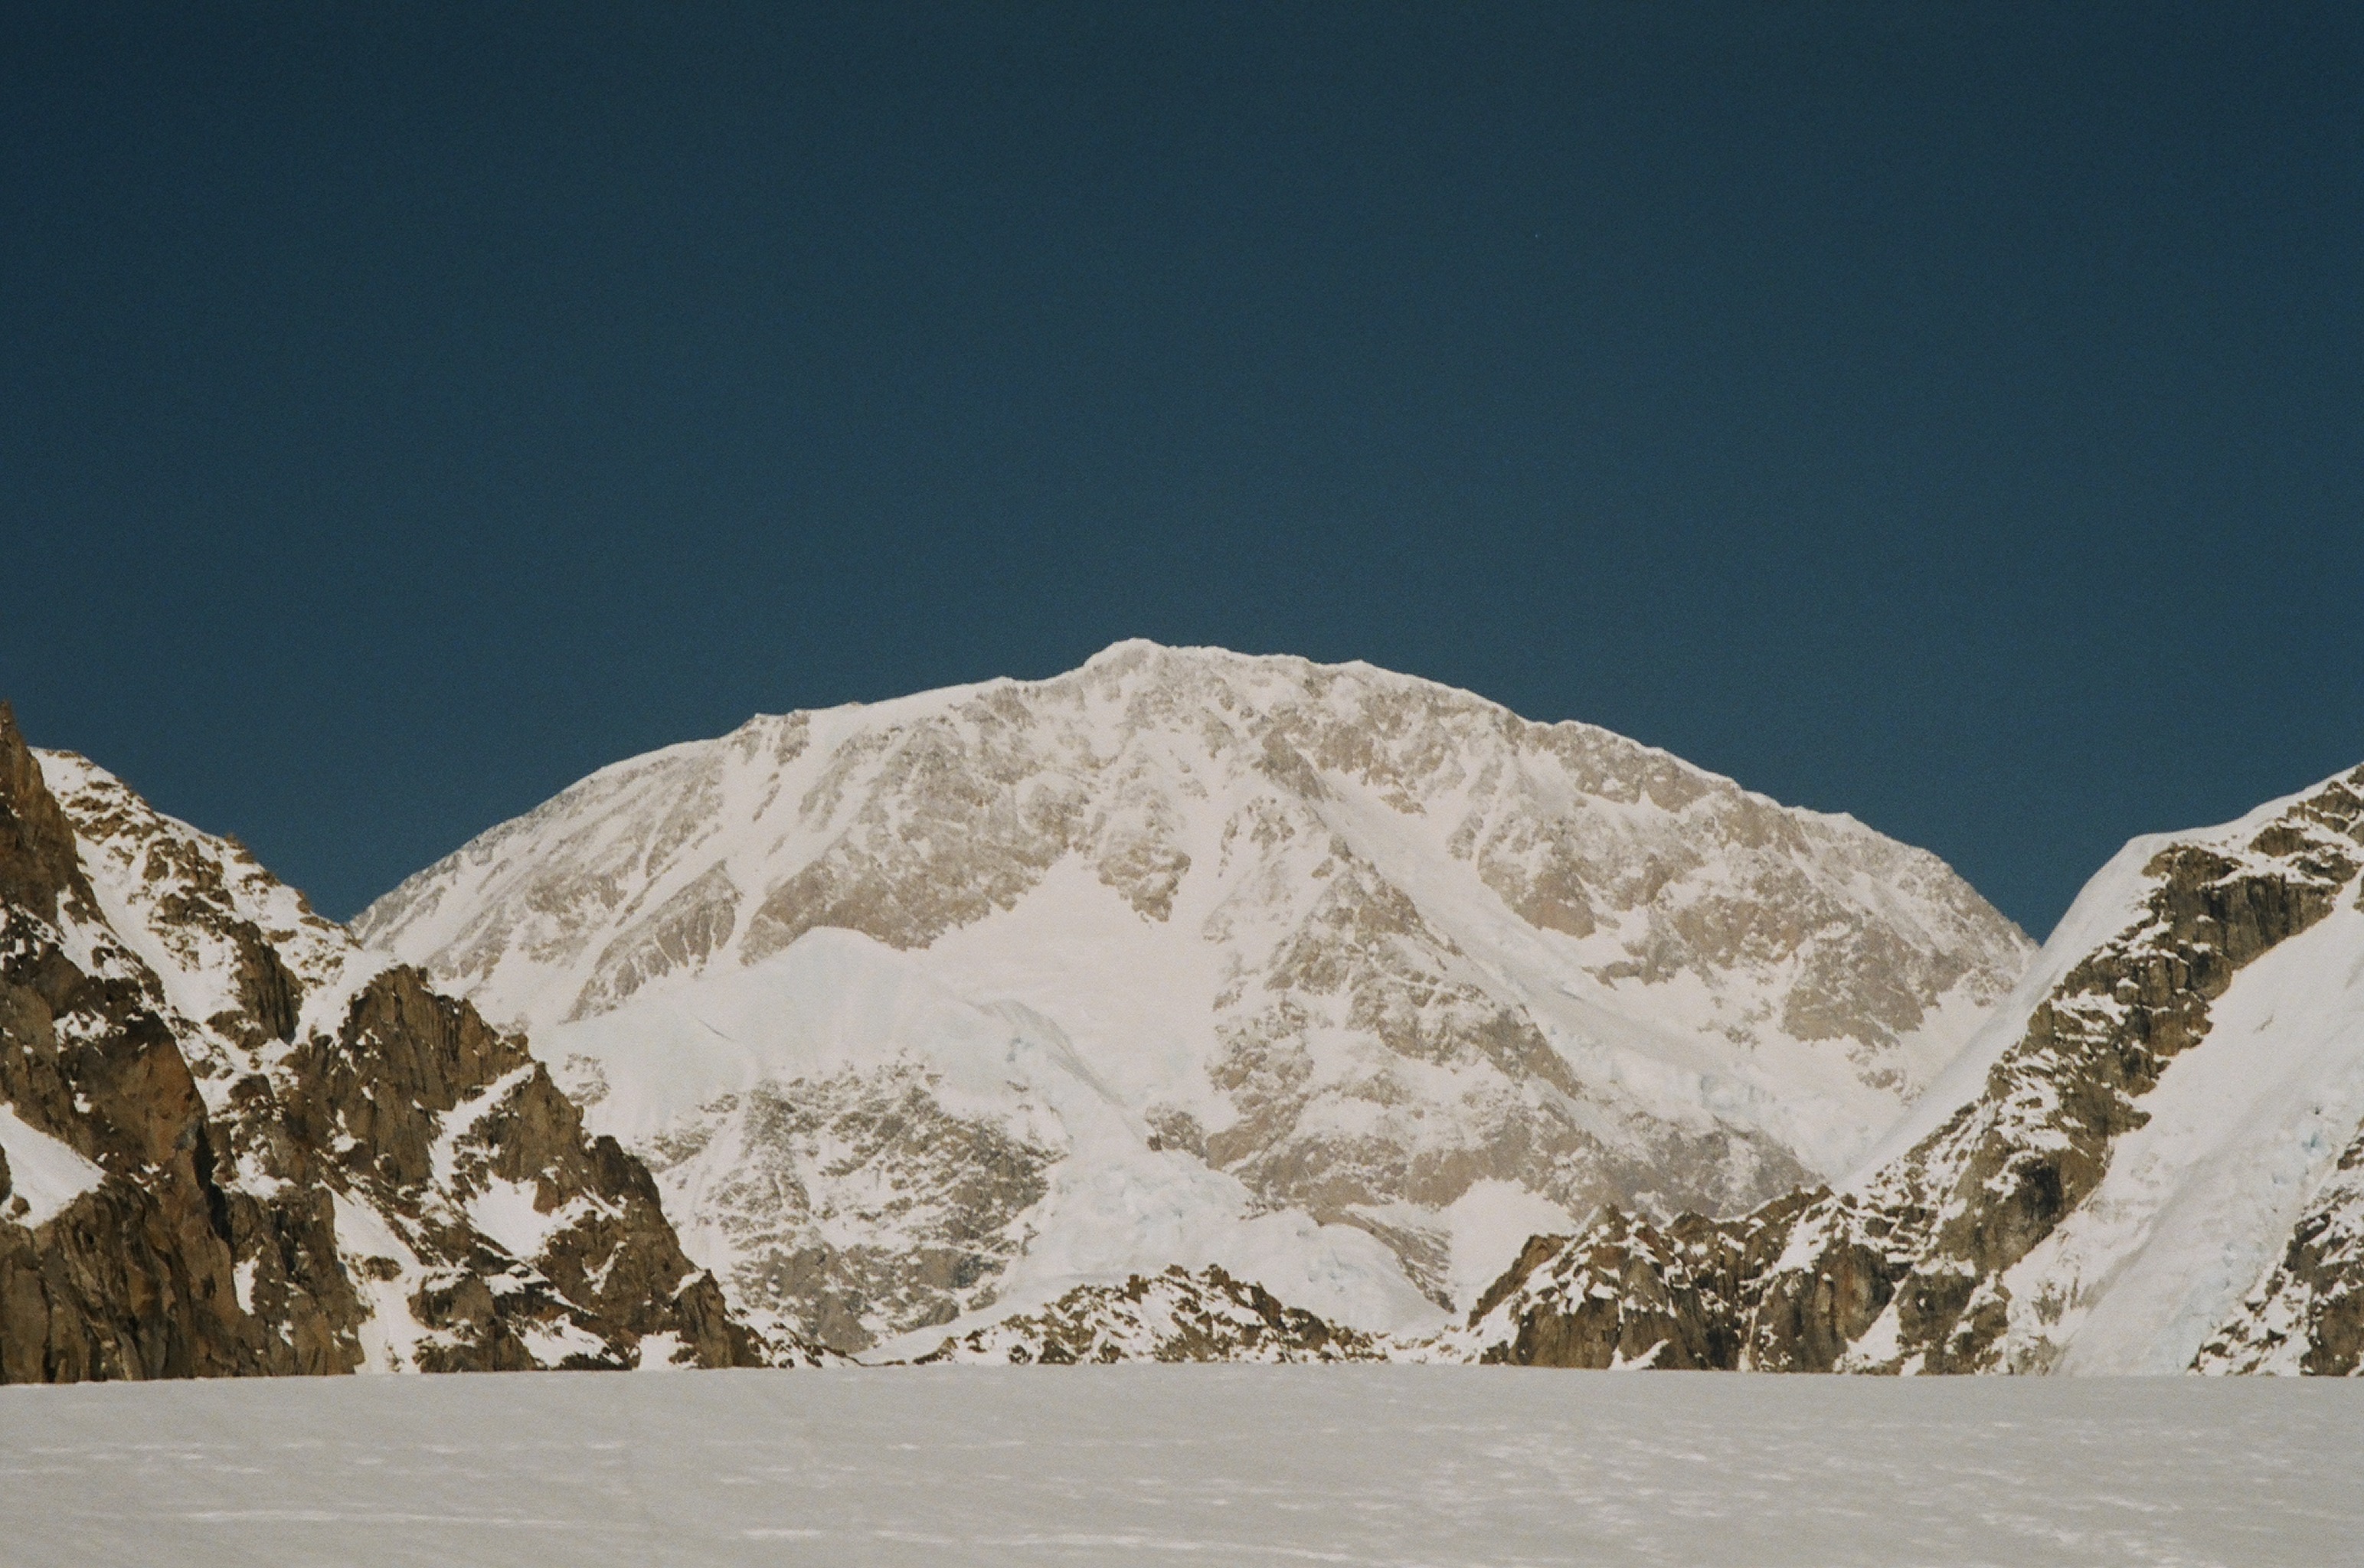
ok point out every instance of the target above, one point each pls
(232, 1143)
(2151, 1159)
(930, 1011)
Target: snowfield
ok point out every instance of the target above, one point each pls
(1139, 1465)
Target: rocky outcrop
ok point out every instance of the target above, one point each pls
(1177, 1316)
(236, 1146)
(1912, 1268)
(134, 1277)
(1626, 1293)
(519, 1241)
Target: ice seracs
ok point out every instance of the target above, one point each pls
(931, 1011)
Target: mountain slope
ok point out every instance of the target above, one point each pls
(1339, 980)
(232, 1142)
(2146, 1162)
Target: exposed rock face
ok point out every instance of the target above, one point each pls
(1629, 1294)
(233, 1144)
(1177, 1316)
(1286, 938)
(2080, 1208)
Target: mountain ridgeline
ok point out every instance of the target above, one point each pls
(1187, 1007)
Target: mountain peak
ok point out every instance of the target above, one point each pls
(1351, 973)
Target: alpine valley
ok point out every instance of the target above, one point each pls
(1189, 1005)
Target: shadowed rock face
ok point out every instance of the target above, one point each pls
(1905, 1269)
(276, 1160)
(1629, 1294)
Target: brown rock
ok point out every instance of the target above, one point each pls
(211, 1246)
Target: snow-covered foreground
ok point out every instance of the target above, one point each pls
(1395, 1465)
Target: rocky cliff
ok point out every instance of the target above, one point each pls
(2148, 1161)
(232, 1143)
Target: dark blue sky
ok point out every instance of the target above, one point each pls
(1949, 414)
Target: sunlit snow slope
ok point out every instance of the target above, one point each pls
(1340, 980)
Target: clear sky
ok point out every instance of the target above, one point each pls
(1953, 415)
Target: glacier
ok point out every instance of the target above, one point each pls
(1384, 1466)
